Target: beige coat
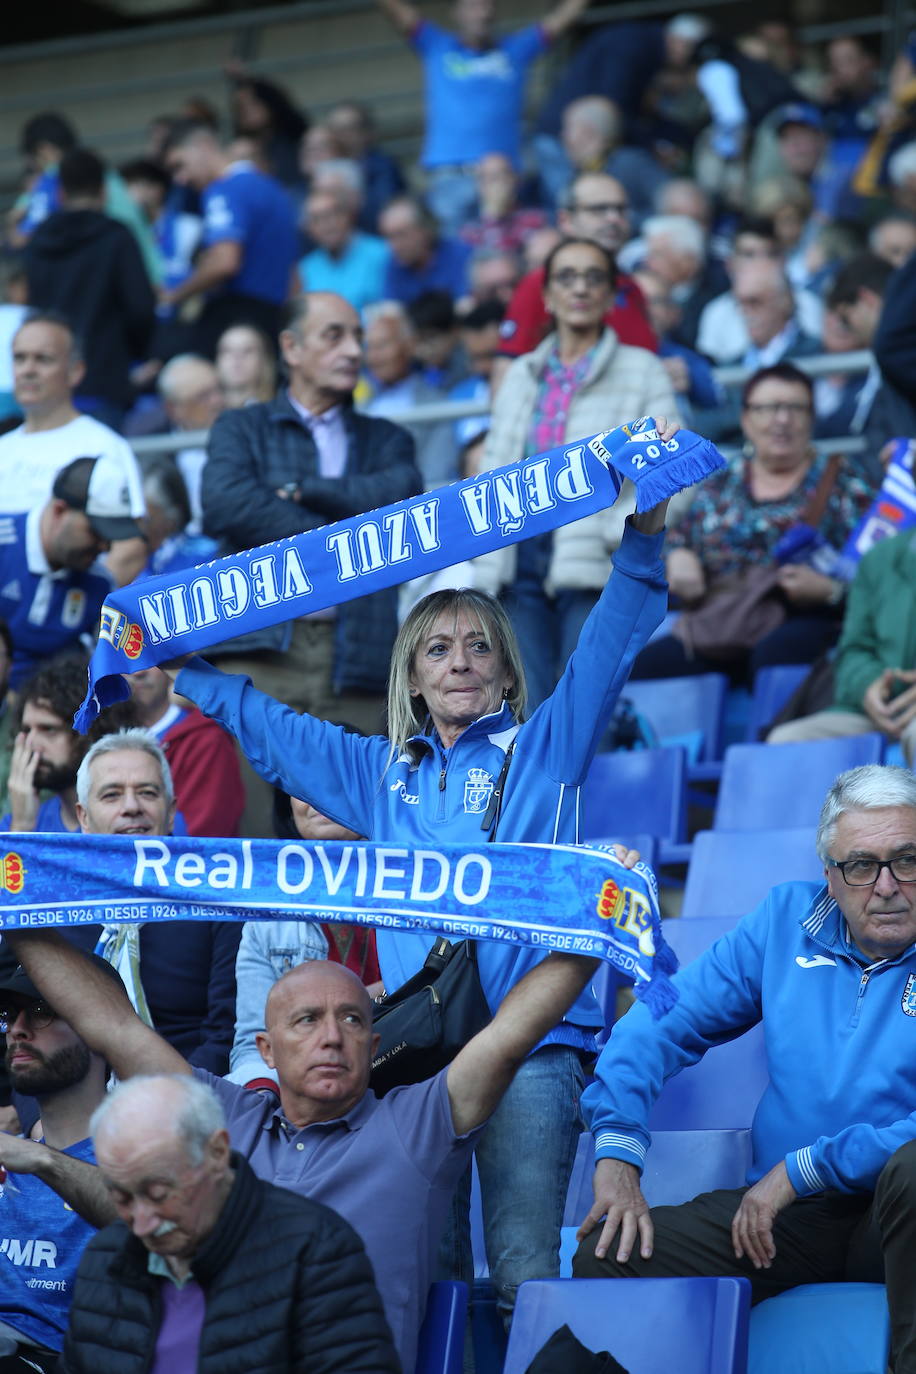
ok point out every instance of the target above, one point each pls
(623, 383)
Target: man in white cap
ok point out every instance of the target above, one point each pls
(50, 592)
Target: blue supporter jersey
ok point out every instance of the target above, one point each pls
(41, 1243)
(244, 206)
(474, 99)
(43, 200)
(447, 270)
(49, 822)
(46, 611)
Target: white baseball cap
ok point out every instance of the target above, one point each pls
(99, 487)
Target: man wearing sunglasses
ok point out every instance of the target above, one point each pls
(830, 971)
(51, 1196)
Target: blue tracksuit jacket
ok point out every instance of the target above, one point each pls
(840, 1039)
(430, 796)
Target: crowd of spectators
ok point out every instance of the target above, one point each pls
(288, 297)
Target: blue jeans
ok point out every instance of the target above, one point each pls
(548, 629)
(524, 1162)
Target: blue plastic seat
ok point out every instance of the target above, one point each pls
(679, 1165)
(764, 785)
(639, 791)
(440, 1348)
(687, 711)
(821, 1328)
(772, 688)
(652, 1326)
(720, 1092)
(732, 870)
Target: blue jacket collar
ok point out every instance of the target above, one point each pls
(826, 924)
(500, 727)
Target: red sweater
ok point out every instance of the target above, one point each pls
(205, 771)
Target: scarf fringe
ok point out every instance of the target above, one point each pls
(659, 483)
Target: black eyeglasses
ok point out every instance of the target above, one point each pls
(38, 1015)
(865, 872)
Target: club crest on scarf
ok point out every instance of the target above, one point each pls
(12, 873)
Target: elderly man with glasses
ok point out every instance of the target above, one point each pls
(51, 1197)
(831, 973)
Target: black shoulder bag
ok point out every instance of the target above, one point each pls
(427, 1020)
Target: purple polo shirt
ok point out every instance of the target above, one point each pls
(389, 1167)
(183, 1312)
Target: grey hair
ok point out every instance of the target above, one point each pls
(164, 486)
(57, 318)
(122, 740)
(680, 229)
(387, 310)
(343, 172)
(406, 714)
(602, 114)
(902, 164)
(198, 1116)
(692, 27)
(870, 787)
(168, 377)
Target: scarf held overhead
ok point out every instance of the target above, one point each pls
(194, 608)
(576, 899)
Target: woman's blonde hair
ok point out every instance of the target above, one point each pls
(406, 713)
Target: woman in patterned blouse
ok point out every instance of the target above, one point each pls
(736, 518)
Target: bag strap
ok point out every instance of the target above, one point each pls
(490, 820)
(438, 956)
(816, 504)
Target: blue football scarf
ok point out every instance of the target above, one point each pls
(892, 511)
(572, 898)
(191, 609)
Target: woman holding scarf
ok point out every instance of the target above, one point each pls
(463, 765)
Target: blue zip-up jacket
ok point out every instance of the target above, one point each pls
(840, 1038)
(432, 796)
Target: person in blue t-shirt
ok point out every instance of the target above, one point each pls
(52, 1198)
(245, 272)
(474, 91)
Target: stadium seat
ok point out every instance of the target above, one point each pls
(772, 689)
(679, 1165)
(764, 785)
(440, 1349)
(652, 1326)
(625, 793)
(732, 870)
(686, 711)
(721, 1092)
(821, 1328)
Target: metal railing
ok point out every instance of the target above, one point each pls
(820, 365)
